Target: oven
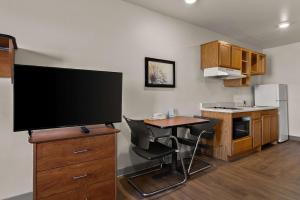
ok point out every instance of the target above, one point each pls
(241, 127)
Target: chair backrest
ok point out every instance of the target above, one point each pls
(205, 126)
(140, 135)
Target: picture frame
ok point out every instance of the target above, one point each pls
(159, 73)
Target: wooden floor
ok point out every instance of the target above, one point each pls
(271, 174)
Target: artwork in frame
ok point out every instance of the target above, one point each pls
(159, 73)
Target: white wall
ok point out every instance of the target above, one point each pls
(284, 62)
(103, 35)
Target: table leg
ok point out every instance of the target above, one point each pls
(174, 156)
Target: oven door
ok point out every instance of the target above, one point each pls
(241, 127)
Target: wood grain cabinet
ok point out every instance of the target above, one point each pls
(8, 46)
(258, 64)
(266, 129)
(263, 130)
(256, 132)
(236, 57)
(75, 166)
(262, 64)
(269, 127)
(216, 54)
(274, 128)
(241, 145)
(223, 54)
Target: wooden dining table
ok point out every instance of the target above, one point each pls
(173, 124)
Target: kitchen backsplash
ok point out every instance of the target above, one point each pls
(238, 101)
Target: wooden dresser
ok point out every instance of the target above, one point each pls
(70, 165)
(8, 46)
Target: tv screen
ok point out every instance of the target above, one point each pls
(46, 97)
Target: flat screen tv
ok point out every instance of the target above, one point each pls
(47, 97)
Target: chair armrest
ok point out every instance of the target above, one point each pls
(175, 140)
(154, 137)
(163, 136)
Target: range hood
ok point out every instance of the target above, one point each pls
(223, 73)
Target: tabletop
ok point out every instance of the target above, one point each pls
(174, 122)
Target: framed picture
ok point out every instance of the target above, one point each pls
(159, 73)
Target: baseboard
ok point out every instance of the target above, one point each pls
(294, 138)
(27, 196)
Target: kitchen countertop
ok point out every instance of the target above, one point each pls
(239, 110)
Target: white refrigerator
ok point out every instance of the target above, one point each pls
(275, 95)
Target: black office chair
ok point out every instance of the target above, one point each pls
(145, 144)
(199, 131)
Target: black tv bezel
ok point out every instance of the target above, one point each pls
(67, 125)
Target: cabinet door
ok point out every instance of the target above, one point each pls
(266, 129)
(224, 55)
(256, 132)
(236, 57)
(210, 55)
(274, 128)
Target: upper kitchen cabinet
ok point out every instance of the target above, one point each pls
(236, 57)
(216, 54)
(224, 54)
(232, 63)
(258, 63)
(8, 46)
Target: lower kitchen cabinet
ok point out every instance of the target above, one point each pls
(241, 145)
(274, 128)
(256, 132)
(266, 129)
(269, 127)
(263, 130)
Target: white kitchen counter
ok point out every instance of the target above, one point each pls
(240, 109)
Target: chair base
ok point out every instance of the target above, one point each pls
(204, 165)
(145, 172)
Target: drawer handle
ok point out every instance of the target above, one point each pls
(79, 177)
(81, 151)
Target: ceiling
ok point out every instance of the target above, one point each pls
(254, 22)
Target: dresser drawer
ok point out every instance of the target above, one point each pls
(72, 177)
(73, 151)
(101, 191)
(71, 195)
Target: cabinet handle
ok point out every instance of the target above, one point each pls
(79, 177)
(81, 151)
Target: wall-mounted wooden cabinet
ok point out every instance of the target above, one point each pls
(236, 57)
(8, 46)
(223, 54)
(216, 54)
(258, 66)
